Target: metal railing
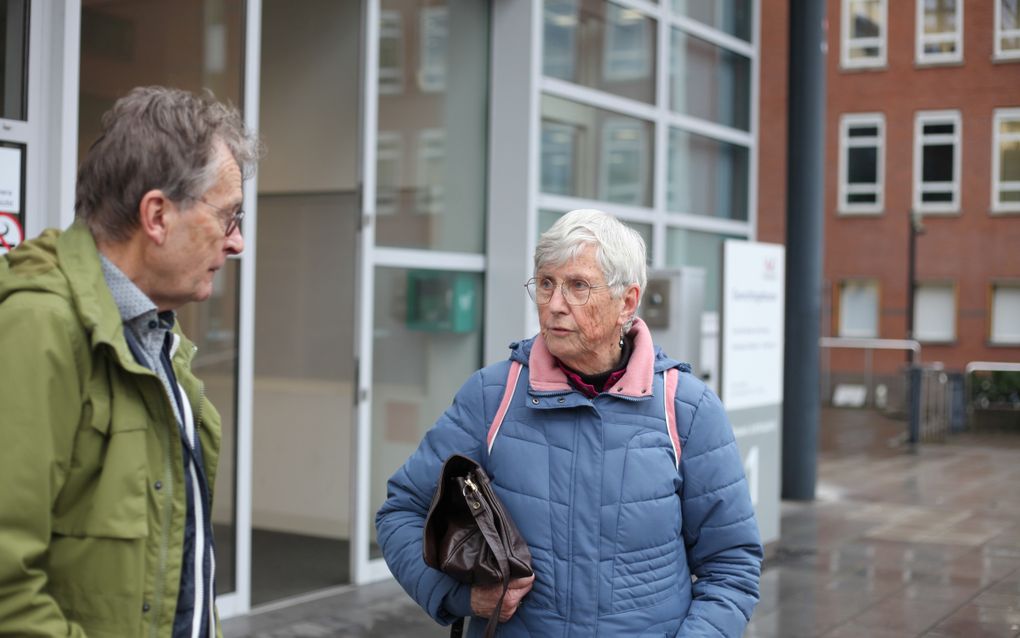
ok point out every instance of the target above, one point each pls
(931, 402)
(982, 366)
(869, 346)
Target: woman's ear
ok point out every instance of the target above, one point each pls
(631, 296)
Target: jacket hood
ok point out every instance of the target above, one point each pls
(520, 351)
(67, 264)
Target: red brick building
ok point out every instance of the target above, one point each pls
(922, 118)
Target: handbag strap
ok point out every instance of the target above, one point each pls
(480, 505)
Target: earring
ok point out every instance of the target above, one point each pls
(621, 340)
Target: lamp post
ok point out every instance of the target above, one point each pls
(916, 227)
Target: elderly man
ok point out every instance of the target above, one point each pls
(109, 446)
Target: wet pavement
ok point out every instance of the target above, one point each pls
(899, 543)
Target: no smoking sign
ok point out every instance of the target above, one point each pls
(11, 233)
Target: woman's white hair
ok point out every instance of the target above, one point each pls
(619, 249)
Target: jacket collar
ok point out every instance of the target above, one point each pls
(79, 262)
(546, 376)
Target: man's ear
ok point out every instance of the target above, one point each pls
(154, 211)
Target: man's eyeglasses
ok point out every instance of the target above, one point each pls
(233, 222)
(575, 291)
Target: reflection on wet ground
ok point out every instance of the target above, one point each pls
(899, 543)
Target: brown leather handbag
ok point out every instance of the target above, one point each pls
(469, 535)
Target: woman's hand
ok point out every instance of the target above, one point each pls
(484, 599)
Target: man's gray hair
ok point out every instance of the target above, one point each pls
(619, 249)
(157, 138)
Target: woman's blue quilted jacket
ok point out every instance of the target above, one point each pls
(623, 543)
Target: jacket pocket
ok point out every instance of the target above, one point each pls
(104, 494)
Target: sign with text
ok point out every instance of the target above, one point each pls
(10, 179)
(751, 367)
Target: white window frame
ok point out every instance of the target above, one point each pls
(998, 139)
(919, 304)
(841, 328)
(1011, 339)
(846, 122)
(1003, 34)
(921, 119)
(880, 42)
(922, 38)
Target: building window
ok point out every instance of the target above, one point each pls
(707, 176)
(858, 308)
(709, 82)
(939, 31)
(861, 162)
(1006, 161)
(559, 143)
(1007, 29)
(430, 193)
(733, 17)
(629, 45)
(937, 162)
(560, 39)
(1005, 327)
(432, 70)
(864, 33)
(935, 312)
(389, 157)
(391, 53)
(625, 168)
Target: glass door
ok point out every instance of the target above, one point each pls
(129, 43)
(421, 271)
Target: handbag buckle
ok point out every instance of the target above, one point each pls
(469, 486)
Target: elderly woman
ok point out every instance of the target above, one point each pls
(632, 531)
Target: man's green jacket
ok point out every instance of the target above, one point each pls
(92, 498)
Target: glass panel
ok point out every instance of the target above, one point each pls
(707, 176)
(939, 129)
(13, 58)
(730, 16)
(595, 154)
(703, 250)
(862, 198)
(862, 165)
(425, 321)
(1009, 162)
(935, 196)
(709, 82)
(305, 276)
(934, 313)
(128, 44)
(1009, 126)
(601, 45)
(213, 326)
(436, 200)
(937, 163)
(858, 309)
(865, 18)
(1006, 314)
(863, 131)
(1010, 14)
(940, 16)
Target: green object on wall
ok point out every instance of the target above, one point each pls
(442, 301)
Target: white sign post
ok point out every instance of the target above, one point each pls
(751, 366)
